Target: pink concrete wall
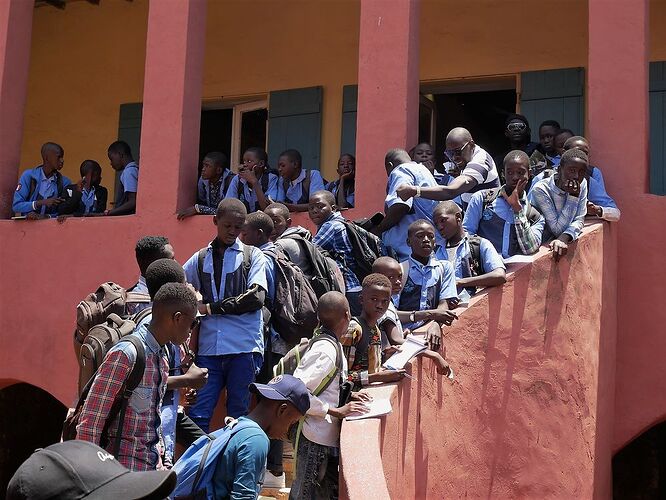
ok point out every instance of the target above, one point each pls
(526, 415)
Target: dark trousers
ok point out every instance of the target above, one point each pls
(316, 471)
(276, 450)
(187, 432)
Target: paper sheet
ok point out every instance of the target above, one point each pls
(378, 408)
(519, 259)
(410, 348)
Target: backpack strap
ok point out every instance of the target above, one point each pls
(336, 370)
(474, 243)
(138, 297)
(201, 256)
(306, 186)
(405, 272)
(247, 259)
(141, 315)
(490, 195)
(33, 187)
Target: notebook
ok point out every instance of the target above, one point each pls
(411, 347)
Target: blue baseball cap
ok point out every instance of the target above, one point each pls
(285, 388)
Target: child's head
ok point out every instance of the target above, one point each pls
(390, 268)
(290, 163)
(150, 248)
(321, 206)
(516, 168)
(174, 313)
(547, 132)
(229, 219)
(459, 146)
(394, 158)
(448, 217)
(423, 153)
(213, 165)
(573, 167)
(578, 142)
(255, 159)
(91, 171)
(120, 154)
(561, 138)
(257, 229)
(52, 156)
(347, 164)
(517, 129)
(375, 297)
(161, 272)
(421, 238)
(281, 218)
(333, 312)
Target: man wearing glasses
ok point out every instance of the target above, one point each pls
(477, 171)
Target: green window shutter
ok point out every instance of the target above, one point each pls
(556, 94)
(294, 122)
(657, 128)
(348, 134)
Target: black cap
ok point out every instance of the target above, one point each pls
(285, 388)
(79, 469)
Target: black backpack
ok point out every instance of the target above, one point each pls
(264, 187)
(366, 248)
(490, 195)
(322, 270)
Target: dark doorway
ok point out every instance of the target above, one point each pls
(639, 469)
(253, 130)
(482, 113)
(215, 132)
(30, 418)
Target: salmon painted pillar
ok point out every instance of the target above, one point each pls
(388, 92)
(171, 105)
(617, 126)
(15, 37)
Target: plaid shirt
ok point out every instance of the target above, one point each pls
(363, 353)
(564, 214)
(332, 237)
(140, 433)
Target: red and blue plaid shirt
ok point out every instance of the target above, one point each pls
(140, 434)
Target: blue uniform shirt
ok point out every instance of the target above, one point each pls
(426, 286)
(229, 333)
(247, 195)
(45, 187)
(129, 182)
(332, 237)
(413, 174)
(334, 186)
(295, 193)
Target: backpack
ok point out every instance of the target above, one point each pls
(366, 248)
(325, 275)
(294, 311)
(196, 467)
(205, 284)
(119, 405)
(240, 194)
(305, 189)
(475, 265)
(59, 186)
(490, 195)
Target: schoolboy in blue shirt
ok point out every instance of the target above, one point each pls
(86, 197)
(212, 186)
(429, 284)
(231, 277)
(424, 154)
(343, 189)
(296, 184)
(546, 155)
(504, 216)
(402, 171)
(471, 274)
(120, 157)
(332, 237)
(254, 185)
(41, 189)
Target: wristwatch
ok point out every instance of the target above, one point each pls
(412, 316)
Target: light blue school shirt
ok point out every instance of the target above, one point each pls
(294, 192)
(249, 196)
(334, 187)
(413, 174)
(45, 187)
(596, 189)
(221, 334)
(129, 182)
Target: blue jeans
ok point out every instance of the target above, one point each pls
(235, 372)
(316, 475)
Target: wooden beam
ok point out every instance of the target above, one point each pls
(58, 4)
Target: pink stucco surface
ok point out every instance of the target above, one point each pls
(525, 416)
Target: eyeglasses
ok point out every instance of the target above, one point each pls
(451, 153)
(516, 127)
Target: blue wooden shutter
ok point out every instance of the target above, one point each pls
(294, 122)
(129, 130)
(348, 133)
(657, 128)
(556, 94)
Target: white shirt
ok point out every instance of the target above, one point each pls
(319, 427)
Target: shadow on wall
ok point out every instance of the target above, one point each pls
(30, 418)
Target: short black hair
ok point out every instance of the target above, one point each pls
(573, 154)
(175, 295)
(89, 164)
(259, 220)
(514, 117)
(293, 155)
(353, 158)
(231, 205)
(448, 207)
(259, 153)
(516, 155)
(148, 249)
(161, 272)
(48, 146)
(328, 196)
(376, 279)
(120, 147)
(550, 123)
(397, 156)
(219, 159)
(419, 222)
(281, 208)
